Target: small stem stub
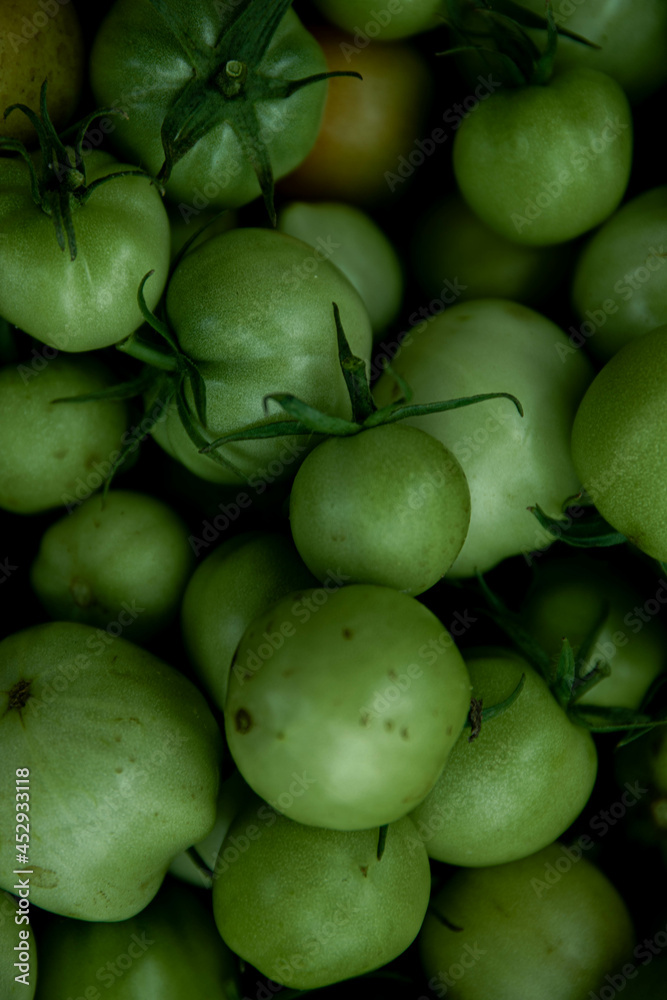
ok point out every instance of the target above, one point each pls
(232, 79)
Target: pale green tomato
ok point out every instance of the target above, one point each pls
(169, 951)
(345, 704)
(617, 442)
(122, 232)
(309, 907)
(53, 454)
(234, 792)
(16, 933)
(389, 506)
(631, 46)
(519, 784)
(229, 589)
(369, 21)
(124, 557)
(236, 313)
(140, 65)
(543, 164)
(548, 926)
(456, 257)
(567, 600)
(620, 281)
(357, 246)
(510, 462)
(123, 760)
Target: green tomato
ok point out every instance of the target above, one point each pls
(122, 232)
(369, 21)
(122, 755)
(543, 164)
(519, 784)
(309, 907)
(228, 590)
(18, 955)
(139, 65)
(125, 546)
(567, 600)
(631, 48)
(169, 951)
(510, 462)
(617, 442)
(345, 705)
(52, 454)
(389, 506)
(357, 246)
(253, 328)
(620, 281)
(456, 257)
(197, 864)
(37, 47)
(550, 925)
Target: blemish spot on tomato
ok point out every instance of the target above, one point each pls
(364, 870)
(242, 721)
(392, 674)
(119, 770)
(347, 633)
(389, 725)
(364, 719)
(404, 732)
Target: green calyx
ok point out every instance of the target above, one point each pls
(581, 525)
(305, 419)
(570, 677)
(61, 185)
(226, 84)
(494, 29)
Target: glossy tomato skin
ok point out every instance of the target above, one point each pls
(389, 506)
(368, 125)
(619, 287)
(54, 454)
(38, 43)
(617, 442)
(357, 246)
(133, 763)
(121, 233)
(510, 462)
(359, 688)
(125, 543)
(519, 784)
(253, 309)
(138, 65)
(237, 582)
(550, 925)
(543, 164)
(309, 907)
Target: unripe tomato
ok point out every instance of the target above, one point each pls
(618, 442)
(551, 925)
